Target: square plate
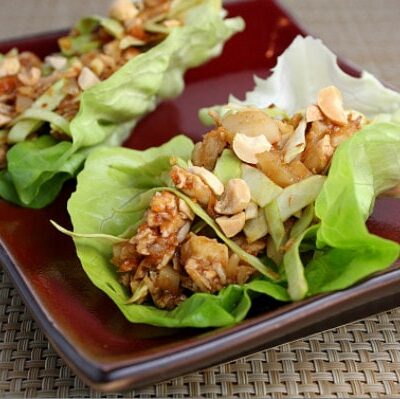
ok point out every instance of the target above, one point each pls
(87, 329)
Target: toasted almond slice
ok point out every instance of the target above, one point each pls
(9, 66)
(183, 232)
(313, 113)
(4, 119)
(231, 225)
(30, 77)
(123, 10)
(58, 62)
(246, 148)
(209, 178)
(235, 199)
(185, 209)
(97, 66)
(87, 78)
(251, 211)
(330, 102)
(172, 23)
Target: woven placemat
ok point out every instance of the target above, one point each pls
(361, 360)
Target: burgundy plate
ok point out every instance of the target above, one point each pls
(87, 329)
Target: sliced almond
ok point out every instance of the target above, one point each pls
(185, 209)
(97, 66)
(9, 66)
(209, 178)
(123, 10)
(235, 199)
(30, 77)
(87, 78)
(128, 41)
(4, 119)
(330, 102)
(313, 113)
(183, 232)
(231, 225)
(251, 211)
(246, 148)
(58, 62)
(172, 23)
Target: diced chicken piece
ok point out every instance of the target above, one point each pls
(206, 152)
(150, 243)
(253, 248)
(237, 272)
(205, 261)
(340, 134)
(272, 165)
(192, 185)
(318, 151)
(125, 257)
(321, 141)
(147, 256)
(165, 214)
(252, 122)
(156, 238)
(317, 155)
(164, 287)
(298, 169)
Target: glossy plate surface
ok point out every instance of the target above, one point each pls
(87, 329)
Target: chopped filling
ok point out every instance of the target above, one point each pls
(92, 52)
(257, 176)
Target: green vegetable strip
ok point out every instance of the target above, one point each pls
(302, 224)
(228, 166)
(82, 44)
(87, 25)
(108, 238)
(49, 116)
(296, 196)
(262, 189)
(274, 222)
(46, 102)
(294, 269)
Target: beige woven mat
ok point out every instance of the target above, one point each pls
(358, 360)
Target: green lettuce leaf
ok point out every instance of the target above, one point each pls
(47, 164)
(110, 109)
(304, 79)
(363, 166)
(111, 197)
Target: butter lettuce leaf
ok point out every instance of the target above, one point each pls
(363, 167)
(110, 109)
(295, 82)
(111, 198)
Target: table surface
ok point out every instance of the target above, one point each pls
(361, 359)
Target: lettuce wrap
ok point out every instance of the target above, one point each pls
(37, 167)
(323, 251)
